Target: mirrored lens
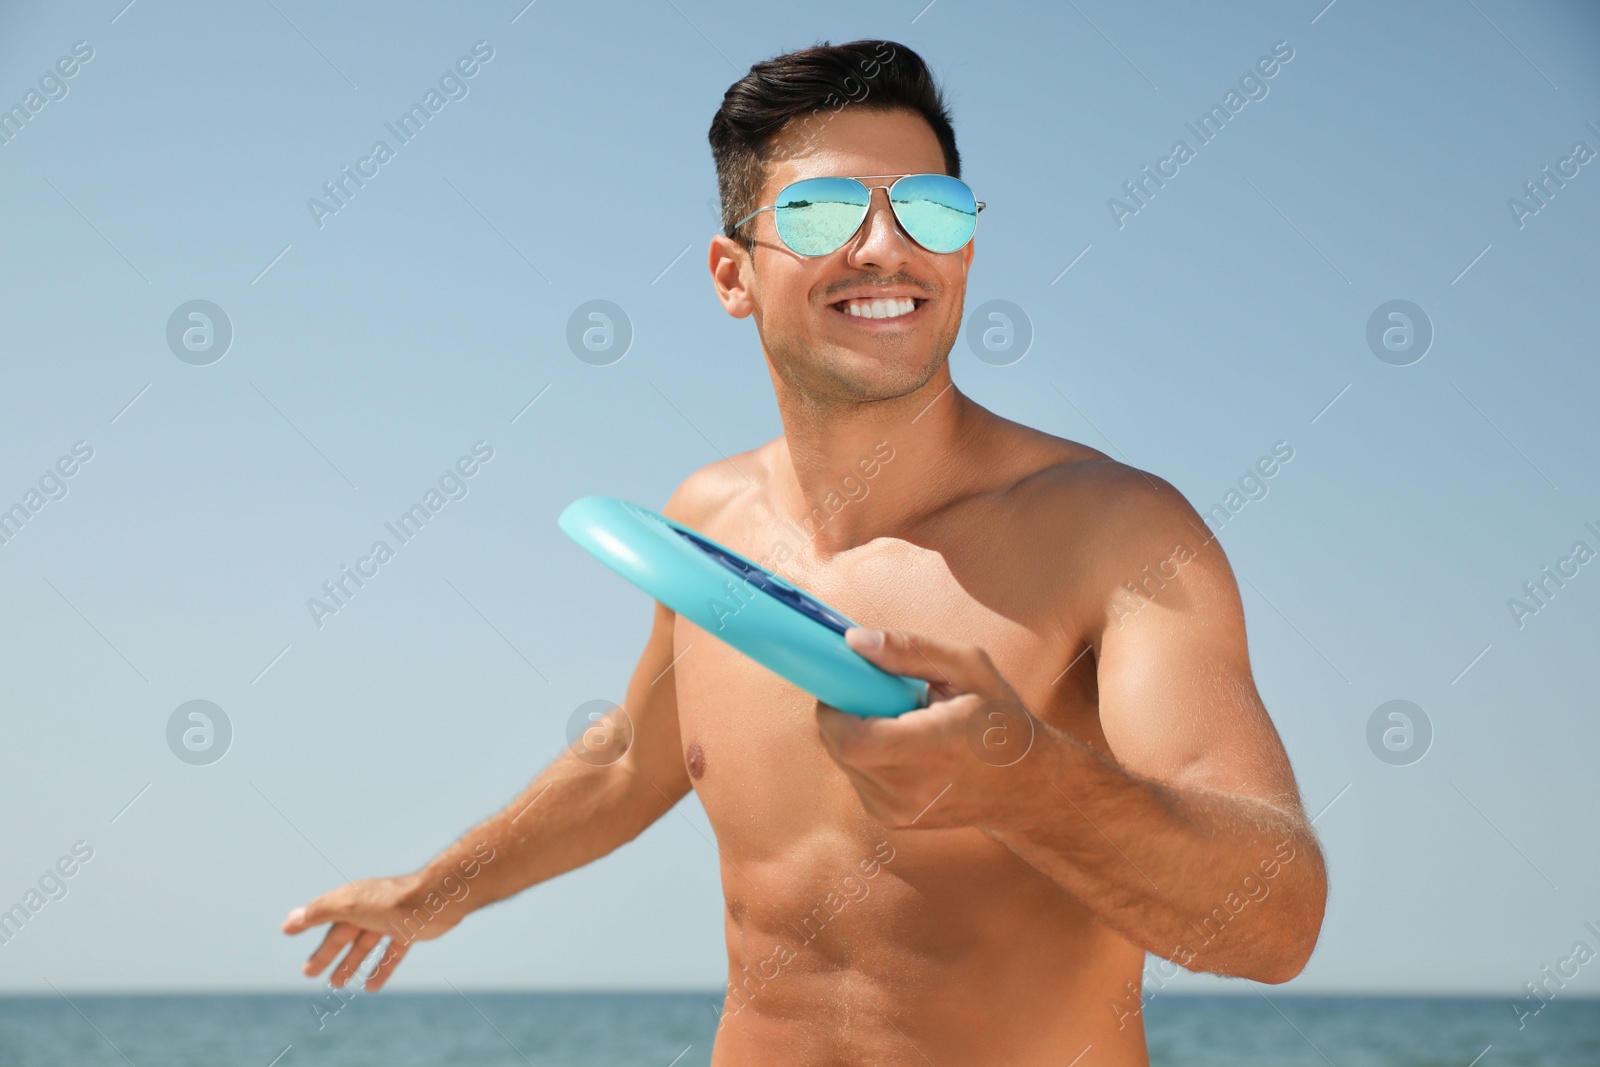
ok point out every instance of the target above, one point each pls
(938, 211)
(818, 215)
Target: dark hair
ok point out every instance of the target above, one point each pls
(816, 83)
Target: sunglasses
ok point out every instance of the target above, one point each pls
(816, 216)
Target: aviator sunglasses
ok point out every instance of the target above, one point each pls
(816, 216)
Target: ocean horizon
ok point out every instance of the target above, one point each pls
(676, 1029)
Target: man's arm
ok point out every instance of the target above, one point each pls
(1188, 837)
(574, 812)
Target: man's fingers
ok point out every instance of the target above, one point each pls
(359, 949)
(859, 740)
(366, 903)
(327, 908)
(338, 936)
(391, 959)
(304, 917)
(952, 666)
(837, 727)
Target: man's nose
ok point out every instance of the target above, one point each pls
(881, 238)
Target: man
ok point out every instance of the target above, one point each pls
(1096, 777)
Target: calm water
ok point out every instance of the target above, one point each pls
(577, 1030)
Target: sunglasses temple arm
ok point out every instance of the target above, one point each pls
(753, 214)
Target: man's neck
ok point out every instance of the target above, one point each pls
(847, 474)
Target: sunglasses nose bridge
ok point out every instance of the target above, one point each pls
(873, 210)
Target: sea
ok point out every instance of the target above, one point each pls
(491, 1029)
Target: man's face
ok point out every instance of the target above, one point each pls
(800, 303)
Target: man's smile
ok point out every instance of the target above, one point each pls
(879, 314)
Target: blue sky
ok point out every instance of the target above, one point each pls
(371, 351)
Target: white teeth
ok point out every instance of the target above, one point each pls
(881, 309)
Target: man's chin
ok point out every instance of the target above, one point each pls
(877, 374)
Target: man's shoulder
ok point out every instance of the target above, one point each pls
(1064, 472)
(1098, 527)
(1108, 509)
(707, 491)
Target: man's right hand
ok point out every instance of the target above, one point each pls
(573, 813)
(363, 913)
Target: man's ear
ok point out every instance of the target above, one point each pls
(731, 266)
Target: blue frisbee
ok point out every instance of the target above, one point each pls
(774, 622)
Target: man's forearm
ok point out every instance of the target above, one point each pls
(1213, 883)
(571, 814)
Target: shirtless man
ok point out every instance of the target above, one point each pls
(976, 882)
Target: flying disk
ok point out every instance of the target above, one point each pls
(774, 622)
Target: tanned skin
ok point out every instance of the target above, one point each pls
(978, 881)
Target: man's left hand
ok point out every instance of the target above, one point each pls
(950, 764)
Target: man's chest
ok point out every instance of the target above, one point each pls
(756, 733)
